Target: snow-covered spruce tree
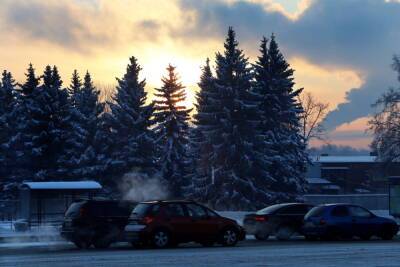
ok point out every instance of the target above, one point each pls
(286, 149)
(130, 122)
(47, 127)
(80, 158)
(23, 170)
(172, 118)
(200, 148)
(8, 123)
(236, 180)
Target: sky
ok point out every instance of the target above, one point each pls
(341, 50)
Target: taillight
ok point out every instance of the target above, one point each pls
(82, 212)
(322, 222)
(260, 218)
(147, 220)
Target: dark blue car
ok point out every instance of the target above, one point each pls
(332, 221)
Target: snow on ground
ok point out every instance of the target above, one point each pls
(247, 253)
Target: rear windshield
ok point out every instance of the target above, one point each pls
(142, 209)
(73, 210)
(270, 209)
(315, 212)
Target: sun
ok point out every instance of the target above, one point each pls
(188, 70)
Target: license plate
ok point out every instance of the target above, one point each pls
(309, 224)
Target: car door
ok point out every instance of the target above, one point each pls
(178, 221)
(363, 222)
(205, 223)
(341, 221)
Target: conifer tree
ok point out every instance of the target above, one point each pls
(25, 102)
(80, 159)
(199, 171)
(238, 179)
(280, 124)
(47, 127)
(8, 133)
(130, 122)
(172, 128)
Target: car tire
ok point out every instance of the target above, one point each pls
(137, 245)
(207, 244)
(387, 234)
(261, 236)
(82, 243)
(311, 238)
(365, 237)
(101, 243)
(229, 237)
(284, 233)
(161, 238)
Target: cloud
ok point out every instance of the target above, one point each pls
(359, 34)
(61, 23)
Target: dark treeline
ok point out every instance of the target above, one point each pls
(243, 149)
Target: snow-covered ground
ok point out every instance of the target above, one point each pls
(247, 253)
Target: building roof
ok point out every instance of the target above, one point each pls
(78, 185)
(343, 159)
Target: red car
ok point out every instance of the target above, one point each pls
(168, 223)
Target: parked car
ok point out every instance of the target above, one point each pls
(97, 222)
(332, 221)
(168, 223)
(280, 220)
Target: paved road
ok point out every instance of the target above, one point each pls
(248, 253)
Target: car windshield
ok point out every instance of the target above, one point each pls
(141, 209)
(315, 212)
(73, 210)
(270, 209)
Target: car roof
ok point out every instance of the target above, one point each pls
(167, 201)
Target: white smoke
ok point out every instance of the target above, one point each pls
(137, 186)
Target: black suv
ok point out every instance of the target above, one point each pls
(168, 223)
(280, 220)
(97, 222)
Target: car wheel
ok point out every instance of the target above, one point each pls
(365, 237)
(229, 237)
(82, 243)
(284, 233)
(137, 245)
(101, 243)
(161, 239)
(207, 243)
(387, 234)
(311, 237)
(261, 236)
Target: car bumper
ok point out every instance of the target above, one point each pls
(254, 228)
(135, 233)
(316, 231)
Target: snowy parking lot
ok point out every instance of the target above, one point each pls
(247, 253)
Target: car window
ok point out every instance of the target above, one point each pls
(211, 213)
(142, 209)
(175, 210)
(359, 212)
(315, 212)
(269, 210)
(294, 210)
(196, 211)
(340, 211)
(74, 209)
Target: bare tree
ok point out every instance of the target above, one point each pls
(106, 94)
(385, 124)
(312, 118)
